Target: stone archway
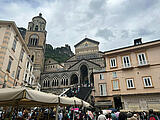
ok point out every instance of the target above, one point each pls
(84, 76)
(74, 79)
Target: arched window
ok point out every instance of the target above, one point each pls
(57, 82)
(43, 84)
(52, 83)
(36, 28)
(48, 83)
(64, 80)
(33, 40)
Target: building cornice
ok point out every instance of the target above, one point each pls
(132, 48)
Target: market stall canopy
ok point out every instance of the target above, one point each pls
(77, 101)
(73, 101)
(86, 104)
(67, 101)
(22, 96)
(25, 96)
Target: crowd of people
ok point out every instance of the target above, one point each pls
(27, 114)
(151, 115)
(81, 114)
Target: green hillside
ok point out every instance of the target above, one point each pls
(60, 54)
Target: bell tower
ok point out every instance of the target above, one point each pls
(36, 39)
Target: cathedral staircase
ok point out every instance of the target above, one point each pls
(84, 93)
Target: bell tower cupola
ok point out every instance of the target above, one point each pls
(38, 23)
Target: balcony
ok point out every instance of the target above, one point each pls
(126, 66)
(143, 64)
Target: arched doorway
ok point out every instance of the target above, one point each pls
(74, 79)
(84, 76)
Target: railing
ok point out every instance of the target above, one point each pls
(126, 65)
(141, 63)
(63, 93)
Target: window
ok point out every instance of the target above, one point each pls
(14, 45)
(27, 65)
(30, 68)
(57, 83)
(44, 83)
(18, 72)
(114, 74)
(9, 64)
(13, 73)
(101, 76)
(48, 84)
(102, 89)
(21, 55)
(53, 83)
(142, 59)
(25, 79)
(126, 61)
(147, 82)
(32, 59)
(33, 40)
(66, 81)
(115, 85)
(29, 80)
(36, 28)
(113, 62)
(62, 82)
(86, 44)
(130, 83)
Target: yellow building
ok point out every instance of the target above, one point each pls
(13, 55)
(131, 79)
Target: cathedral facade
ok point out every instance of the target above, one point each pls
(77, 70)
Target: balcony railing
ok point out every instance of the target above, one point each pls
(126, 65)
(143, 63)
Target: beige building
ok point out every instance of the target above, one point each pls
(29, 79)
(131, 79)
(13, 55)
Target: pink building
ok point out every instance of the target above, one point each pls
(131, 79)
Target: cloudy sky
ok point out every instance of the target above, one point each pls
(114, 23)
